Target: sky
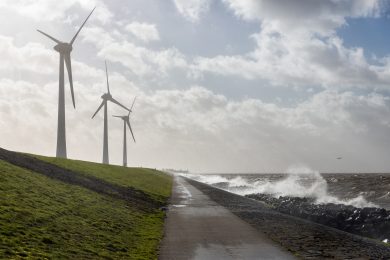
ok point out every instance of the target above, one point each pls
(222, 86)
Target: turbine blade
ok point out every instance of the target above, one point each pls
(51, 37)
(132, 105)
(117, 116)
(108, 85)
(81, 27)
(69, 68)
(131, 130)
(119, 104)
(100, 107)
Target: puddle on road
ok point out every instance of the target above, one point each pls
(184, 195)
(240, 251)
(179, 206)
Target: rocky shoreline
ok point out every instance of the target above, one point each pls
(368, 222)
(303, 238)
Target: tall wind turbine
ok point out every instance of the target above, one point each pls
(64, 49)
(126, 122)
(107, 97)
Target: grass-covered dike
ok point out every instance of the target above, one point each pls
(45, 216)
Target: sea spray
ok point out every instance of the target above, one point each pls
(299, 181)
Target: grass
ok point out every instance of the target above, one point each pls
(42, 218)
(155, 183)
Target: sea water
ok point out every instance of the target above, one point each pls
(358, 189)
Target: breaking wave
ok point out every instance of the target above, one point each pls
(300, 181)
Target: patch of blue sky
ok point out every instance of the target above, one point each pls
(371, 34)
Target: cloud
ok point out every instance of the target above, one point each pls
(143, 31)
(31, 57)
(196, 128)
(140, 60)
(46, 10)
(317, 16)
(251, 134)
(298, 46)
(299, 60)
(191, 126)
(192, 9)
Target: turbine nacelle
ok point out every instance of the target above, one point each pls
(126, 120)
(107, 96)
(63, 47)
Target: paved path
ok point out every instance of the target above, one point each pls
(198, 228)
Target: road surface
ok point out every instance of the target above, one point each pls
(198, 228)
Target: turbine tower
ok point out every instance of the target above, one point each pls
(64, 49)
(126, 121)
(107, 97)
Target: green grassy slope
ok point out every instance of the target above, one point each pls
(45, 218)
(152, 182)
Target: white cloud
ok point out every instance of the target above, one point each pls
(196, 128)
(251, 134)
(193, 127)
(139, 60)
(318, 16)
(298, 45)
(47, 10)
(143, 31)
(143, 61)
(30, 57)
(299, 60)
(192, 9)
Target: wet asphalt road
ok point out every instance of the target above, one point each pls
(198, 228)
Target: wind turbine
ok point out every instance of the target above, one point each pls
(107, 97)
(126, 121)
(64, 49)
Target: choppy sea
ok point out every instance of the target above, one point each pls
(359, 190)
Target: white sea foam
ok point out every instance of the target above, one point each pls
(301, 181)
